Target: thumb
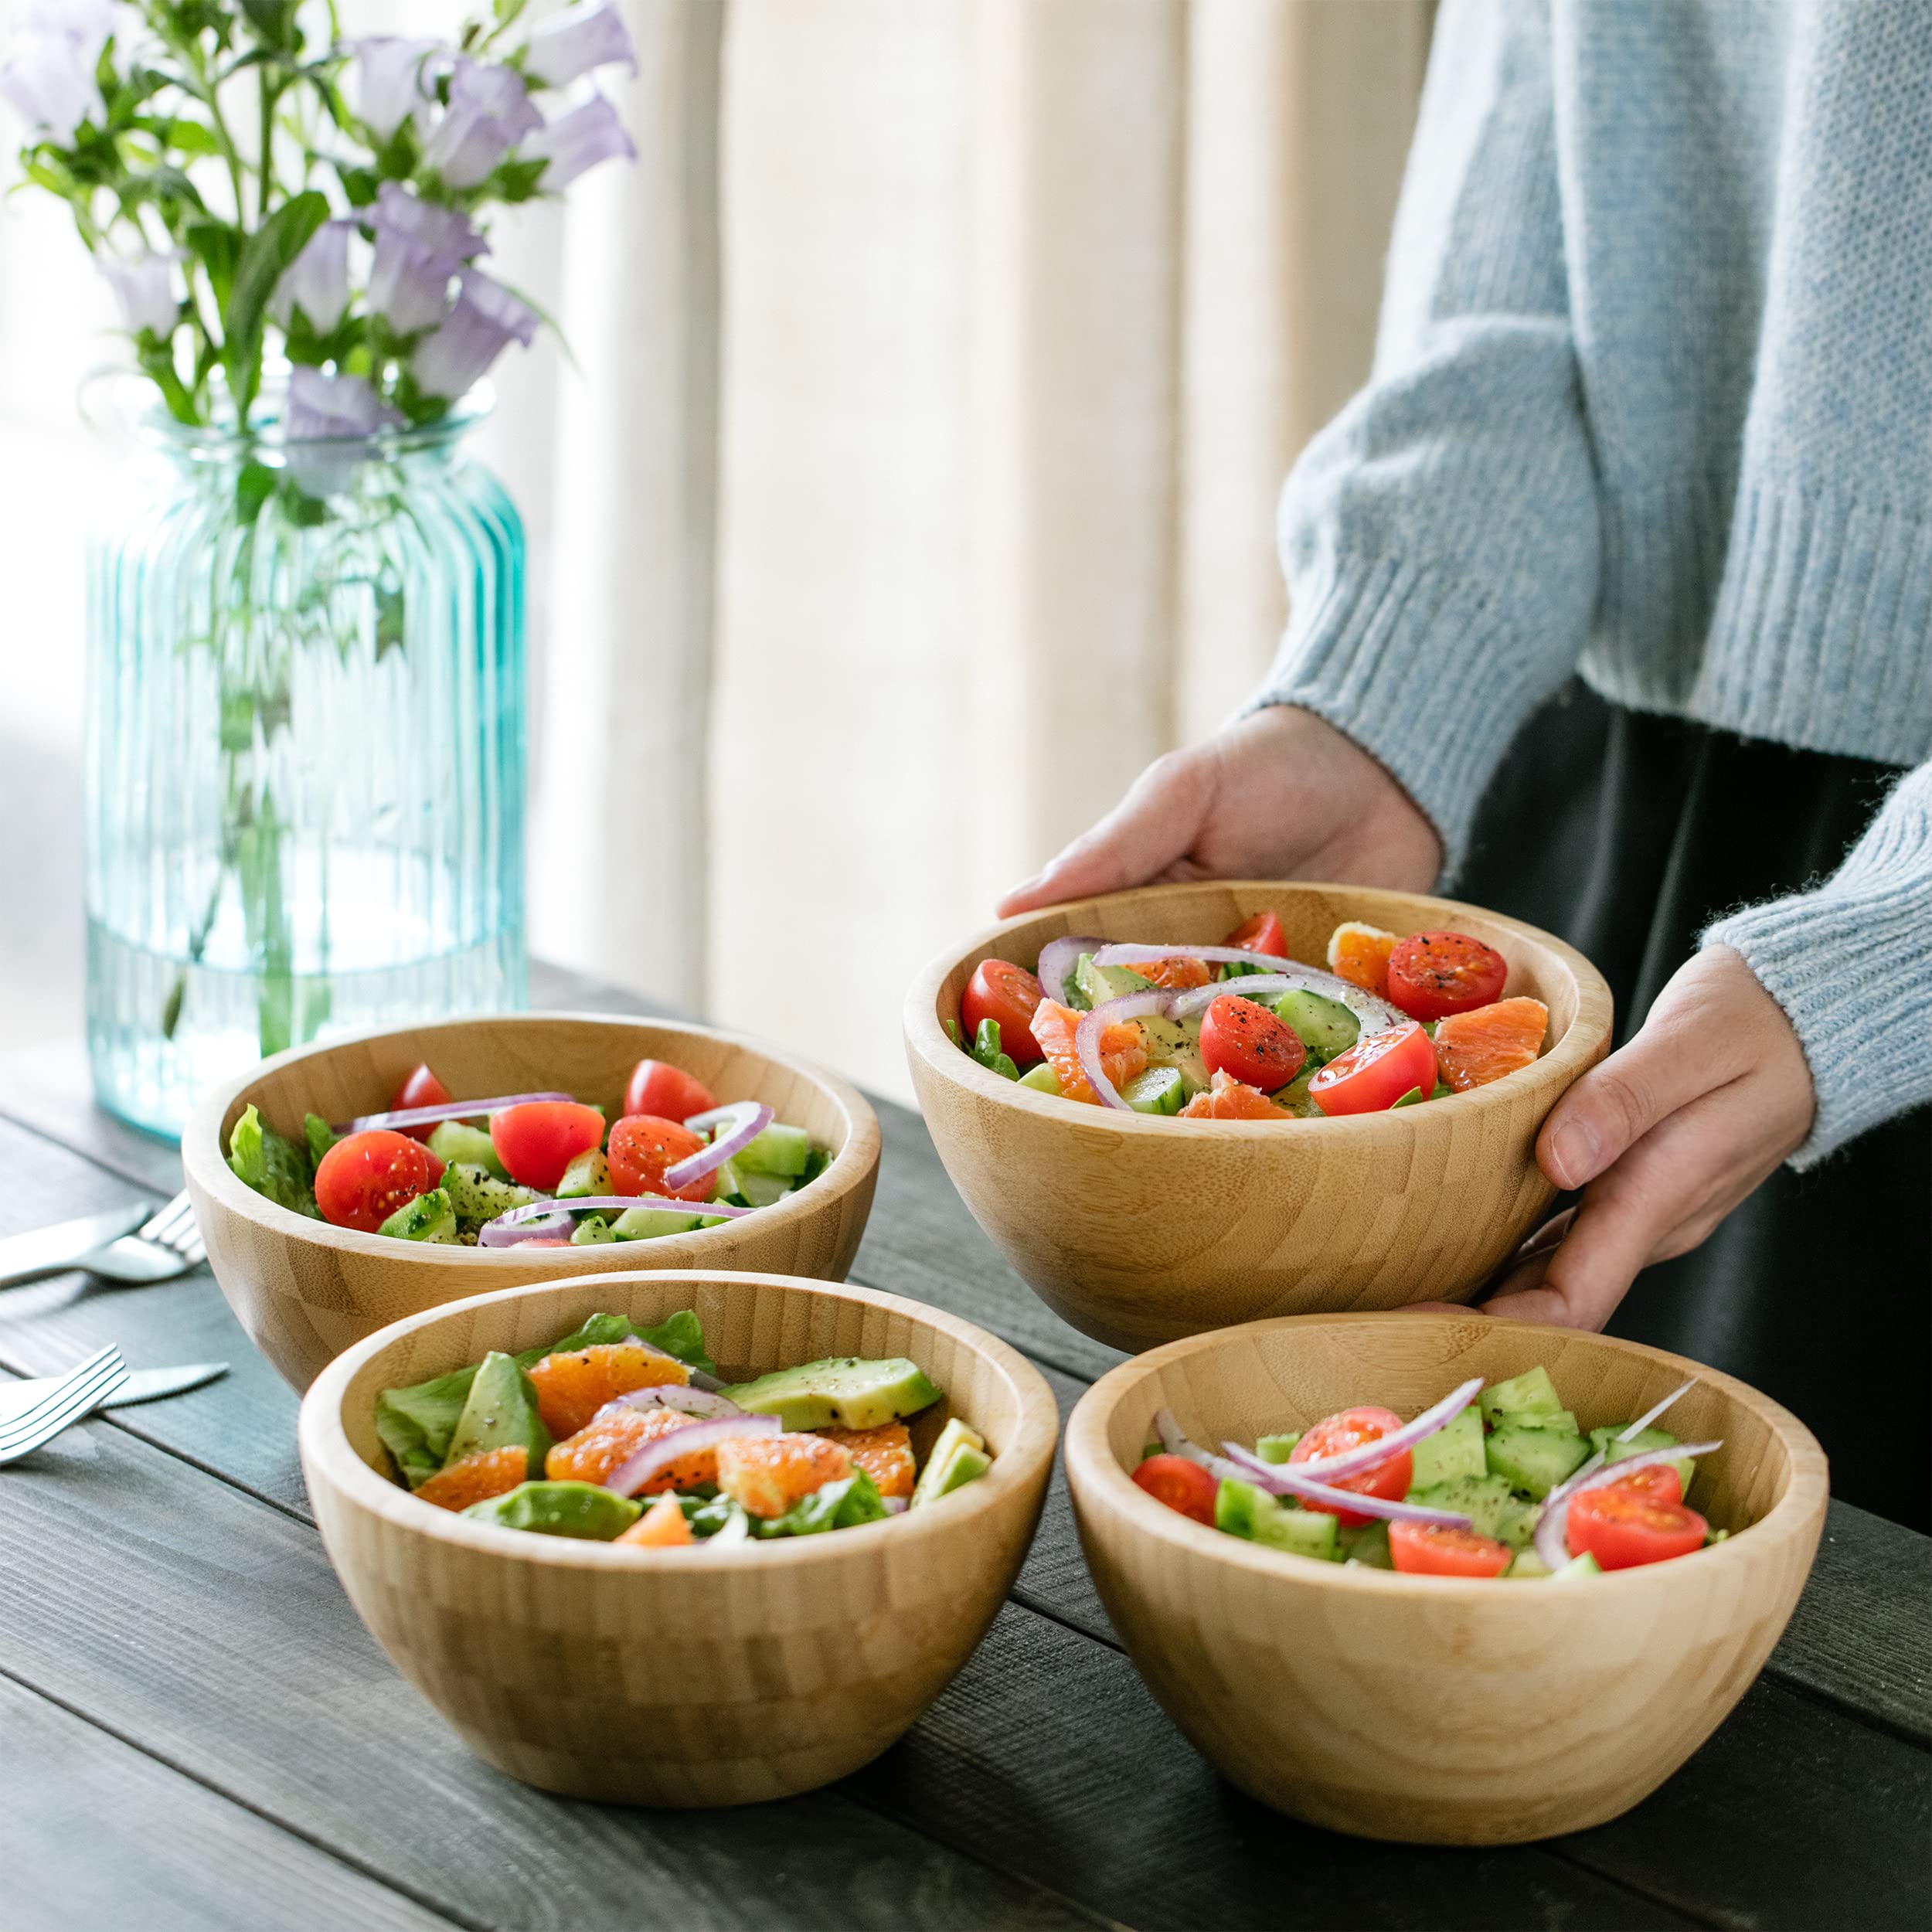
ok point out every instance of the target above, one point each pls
(1614, 1105)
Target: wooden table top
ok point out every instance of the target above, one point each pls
(195, 1731)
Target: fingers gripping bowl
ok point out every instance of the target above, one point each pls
(1140, 1228)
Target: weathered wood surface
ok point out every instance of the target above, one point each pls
(161, 1583)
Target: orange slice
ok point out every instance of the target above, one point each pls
(1123, 1052)
(885, 1453)
(1474, 1048)
(769, 1474)
(490, 1472)
(571, 1389)
(1359, 954)
(1176, 975)
(662, 1526)
(613, 1436)
(1231, 1100)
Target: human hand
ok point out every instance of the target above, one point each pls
(1280, 794)
(1665, 1137)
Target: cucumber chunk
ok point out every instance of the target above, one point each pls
(1531, 1392)
(593, 1229)
(452, 1141)
(1325, 1026)
(1159, 1090)
(1640, 1444)
(1041, 1078)
(1367, 1544)
(1453, 1451)
(1583, 1565)
(478, 1195)
(1486, 1501)
(588, 1173)
(644, 1223)
(1526, 1565)
(1532, 1459)
(1278, 1448)
(779, 1149)
(428, 1217)
(1175, 1043)
(1243, 1510)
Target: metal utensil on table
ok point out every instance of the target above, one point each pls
(77, 1394)
(142, 1385)
(127, 1244)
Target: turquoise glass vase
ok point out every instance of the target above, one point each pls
(305, 746)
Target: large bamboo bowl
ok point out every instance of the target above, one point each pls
(1435, 1709)
(1137, 1231)
(680, 1677)
(305, 1291)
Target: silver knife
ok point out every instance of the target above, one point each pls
(46, 1251)
(142, 1385)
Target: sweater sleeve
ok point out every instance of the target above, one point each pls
(1851, 963)
(1440, 536)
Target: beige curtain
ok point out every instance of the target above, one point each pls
(941, 360)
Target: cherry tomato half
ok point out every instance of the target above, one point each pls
(1262, 933)
(421, 1089)
(1182, 1485)
(1621, 1527)
(665, 1092)
(1375, 1073)
(1433, 1549)
(1351, 1429)
(365, 1177)
(641, 1147)
(1433, 974)
(1660, 1483)
(1243, 1038)
(1001, 990)
(537, 1139)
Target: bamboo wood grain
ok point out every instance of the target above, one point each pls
(1430, 1710)
(685, 1677)
(1137, 1231)
(305, 1290)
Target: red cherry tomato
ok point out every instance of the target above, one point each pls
(665, 1092)
(1260, 934)
(1433, 974)
(365, 1177)
(1351, 1429)
(641, 1147)
(1433, 1549)
(1375, 1073)
(537, 1139)
(1182, 1485)
(1660, 1483)
(1245, 1040)
(1000, 991)
(1621, 1527)
(421, 1089)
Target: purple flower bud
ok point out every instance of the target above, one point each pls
(590, 34)
(576, 142)
(486, 318)
(488, 113)
(144, 287)
(326, 417)
(409, 284)
(388, 78)
(317, 280)
(443, 231)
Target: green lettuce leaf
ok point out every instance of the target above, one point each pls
(321, 1138)
(273, 1166)
(836, 1505)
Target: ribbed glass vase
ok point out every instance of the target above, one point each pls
(304, 751)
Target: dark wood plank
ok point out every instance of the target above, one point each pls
(95, 1833)
(1054, 1580)
(209, 1631)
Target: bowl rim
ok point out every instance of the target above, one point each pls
(324, 1442)
(1571, 1056)
(1091, 1465)
(204, 1166)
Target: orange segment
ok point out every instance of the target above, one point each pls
(1359, 954)
(490, 1472)
(1231, 1100)
(1176, 975)
(885, 1453)
(1122, 1051)
(1474, 1048)
(769, 1474)
(662, 1526)
(615, 1435)
(571, 1389)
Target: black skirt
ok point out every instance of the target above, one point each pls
(1818, 1290)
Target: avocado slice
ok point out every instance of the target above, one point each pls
(582, 1509)
(428, 1217)
(1041, 1078)
(1175, 1043)
(453, 1140)
(1100, 984)
(844, 1392)
(958, 1456)
(500, 1409)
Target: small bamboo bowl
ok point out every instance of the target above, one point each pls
(304, 1290)
(1137, 1231)
(680, 1677)
(1438, 1710)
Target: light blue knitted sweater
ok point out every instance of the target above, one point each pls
(1652, 400)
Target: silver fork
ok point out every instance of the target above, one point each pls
(77, 1393)
(167, 1244)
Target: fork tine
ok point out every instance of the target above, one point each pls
(78, 1372)
(83, 1402)
(195, 1252)
(82, 1389)
(186, 1236)
(168, 1221)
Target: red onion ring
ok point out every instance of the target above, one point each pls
(1057, 959)
(1552, 1532)
(705, 1403)
(1316, 980)
(1371, 1014)
(631, 1475)
(1650, 1414)
(894, 1506)
(447, 1110)
(1372, 1455)
(753, 1118)
(1086, 1037)
(521, 1223)
(542, 1220)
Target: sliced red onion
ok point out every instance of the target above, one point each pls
(447, 1110)
(1553, 1537)
(1282, 1479)
(1376, 1015)
(542, 1220)
(1057, 959)
(894, 1505)
(1650, 1414)
(543, 1217)
(631, 1475)
(686, 1396)
(1086, 1037)
(752, 1118)
(1371, 1014)
(1372, 1454)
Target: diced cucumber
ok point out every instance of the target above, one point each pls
(1583, 1565)
(593, 1229)
(1157, 1089)
(1367, 1544)
(588, 1173)
(1526, 1564)
(1278, 1448)
(1244, 1510)
(1531, 1392)
(1100, 984)
(779, 1149)
(428, 1217)
(1534, 1459)
(1296, 1098)
(761, 1190)
(1454, 1450)
(1412, 1098)
(1487, 1502)
(453, 1140)
(1175, 1043)
(644, 1223)
(1325, 1026)
(1640, 1444)
(478, 1195)
(1041, 1078)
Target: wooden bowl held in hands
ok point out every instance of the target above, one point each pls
(1439, 1710)
(1138, 1230)
(304, 1290)
(691, 1676)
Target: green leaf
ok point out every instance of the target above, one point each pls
(514, 181)
(360, 185)
(216, 247)
(1412, 1098)
(273, 1166)
(987, 1050)
(836, 1505)
(275, 20)
(252, 490)
(191, 137)
(264, 257)
(321, 1135)
(390, 626)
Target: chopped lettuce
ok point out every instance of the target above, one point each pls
(273, 1166)
(989, 1050)
(321, 1138)
(834, 1505)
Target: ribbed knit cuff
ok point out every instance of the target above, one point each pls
(1850, 964)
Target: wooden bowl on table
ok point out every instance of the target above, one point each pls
(1439, 1710)
(680, 1677)
(304, 1290)
(1138, 1229)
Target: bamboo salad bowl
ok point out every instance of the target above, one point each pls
(304, 1290)
(1439, 1710)
(681, 1677)
(1138, 1229)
